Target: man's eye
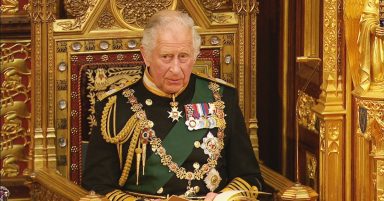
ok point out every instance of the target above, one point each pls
(166, 57)
(183, 57)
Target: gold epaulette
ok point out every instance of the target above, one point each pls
(101, 95)
(217, 80)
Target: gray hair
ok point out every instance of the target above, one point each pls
(165, 18)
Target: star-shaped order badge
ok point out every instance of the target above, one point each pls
(211, 145)
(213, 179)
(174, 114)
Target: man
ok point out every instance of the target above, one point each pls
(172, 132)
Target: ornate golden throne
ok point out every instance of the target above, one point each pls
(81, 49)
(92, 57)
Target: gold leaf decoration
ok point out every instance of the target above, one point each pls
(137, 13)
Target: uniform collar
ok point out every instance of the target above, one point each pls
(151, 86)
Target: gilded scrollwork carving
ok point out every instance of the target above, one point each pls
(220, 18)
(330, 36)
(40, 192)
(381, 195)
(377, 132)
(379, 177)
(14, 98)
(80, 10)
(11, 153)
(311, 165)
(306, 117)
(106, 20)
(213, 4)
(371, 123)
(12, 87)
(322, 136)
(8, 53)
(9, 6)
(77, 8)
(136, 13)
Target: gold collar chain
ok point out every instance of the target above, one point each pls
(156, 143)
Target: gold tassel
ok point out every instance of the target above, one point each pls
(144, 155)
(130, 153)
(120, 151)
(138, 152)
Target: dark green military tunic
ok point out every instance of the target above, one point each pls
(102, 168)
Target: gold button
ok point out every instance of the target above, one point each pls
(148, 102)
(160, 190)
(196, 189)
(196, 165)
(197, 144)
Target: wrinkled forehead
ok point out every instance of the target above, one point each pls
(174, 26)
(174, 34)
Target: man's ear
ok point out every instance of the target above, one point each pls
(145, 56)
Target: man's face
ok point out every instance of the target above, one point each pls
(172, 59)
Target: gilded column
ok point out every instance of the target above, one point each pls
(254, 11)
(42, 14)
(331, 109)
(241, 10)
(37, 112)
(247, 11)
(50, 51)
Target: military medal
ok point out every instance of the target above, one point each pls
(174, 114)
(200, 115)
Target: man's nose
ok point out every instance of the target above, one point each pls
(175, 66)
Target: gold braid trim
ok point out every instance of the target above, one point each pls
(124, 134)
(130, 153)
(118, 195)
(240, 184)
